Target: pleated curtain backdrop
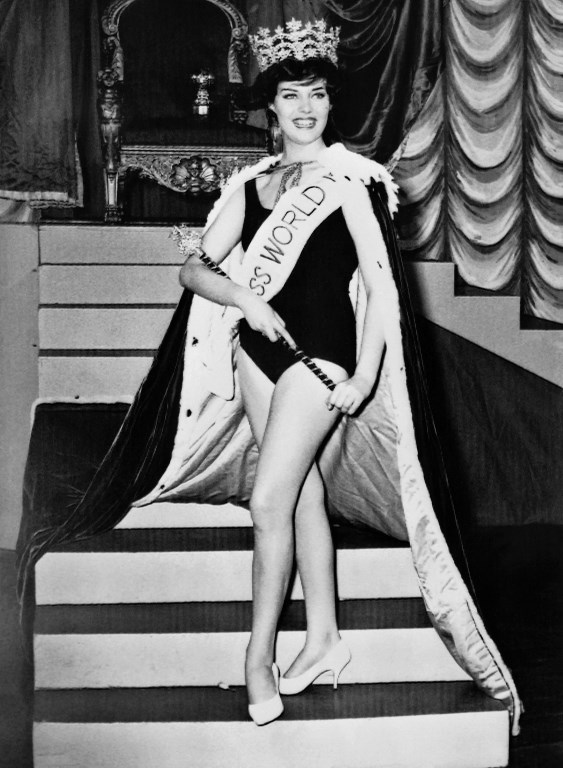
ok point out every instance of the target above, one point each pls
(50, 153)
(482, 168)
(543, 175)
(37, 138)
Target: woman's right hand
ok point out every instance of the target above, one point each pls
(262, 318)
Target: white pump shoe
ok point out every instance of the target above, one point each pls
(334, 661)
(266, 711)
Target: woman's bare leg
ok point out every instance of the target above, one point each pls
(315, 563)
(289, 422)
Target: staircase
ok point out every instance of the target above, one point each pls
(140, 633)
(139, 653)
(107, 295)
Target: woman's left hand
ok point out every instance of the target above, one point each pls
(348, 395)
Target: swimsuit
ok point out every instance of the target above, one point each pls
(314, 302)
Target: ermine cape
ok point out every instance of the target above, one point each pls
(186, 436)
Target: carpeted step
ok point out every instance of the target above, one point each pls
(442, 725)
(234, 616)
(213, 539)
(150, 565)
(136, 630)
(204, 643)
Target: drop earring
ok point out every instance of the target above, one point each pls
(275, 140)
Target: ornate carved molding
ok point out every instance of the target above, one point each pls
(192, 170)
(110, 103)
(110, 112)
(189, 170)
(238, 48)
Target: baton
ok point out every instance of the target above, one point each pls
(299, 354)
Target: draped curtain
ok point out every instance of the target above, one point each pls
(49, 56)
(483, 152)
(482, 168)
(390, 51)
(543, 95)
(37, 149)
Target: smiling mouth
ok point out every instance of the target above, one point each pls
(305, 122)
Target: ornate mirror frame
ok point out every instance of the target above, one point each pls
(187, 169)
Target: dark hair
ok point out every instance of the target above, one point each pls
(266, 84)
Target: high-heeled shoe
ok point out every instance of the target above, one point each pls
(266, 711)
(334, 661)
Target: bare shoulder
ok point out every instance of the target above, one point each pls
(232, 207)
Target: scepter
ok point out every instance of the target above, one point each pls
(189, 243)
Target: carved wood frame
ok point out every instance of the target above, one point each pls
(188, 169)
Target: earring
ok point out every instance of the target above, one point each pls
(275, 139)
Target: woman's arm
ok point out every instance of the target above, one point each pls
(218, 242)
(366, 233)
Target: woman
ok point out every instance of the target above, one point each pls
(295, 228)
(285, 403)
(288, 408)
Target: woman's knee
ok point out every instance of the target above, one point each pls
(269, 510)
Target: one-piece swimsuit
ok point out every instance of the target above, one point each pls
(314, 301)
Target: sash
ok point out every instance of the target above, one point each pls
(264, 268)
(277, 245)
(274, 251)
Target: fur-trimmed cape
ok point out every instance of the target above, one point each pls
(181, 441)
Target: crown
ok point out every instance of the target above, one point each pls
(298, 41)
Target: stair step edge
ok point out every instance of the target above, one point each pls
(209, 704)
(211, 539)
(221, 616)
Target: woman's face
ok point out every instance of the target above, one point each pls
(302, 110)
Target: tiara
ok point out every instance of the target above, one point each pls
(297, 41)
